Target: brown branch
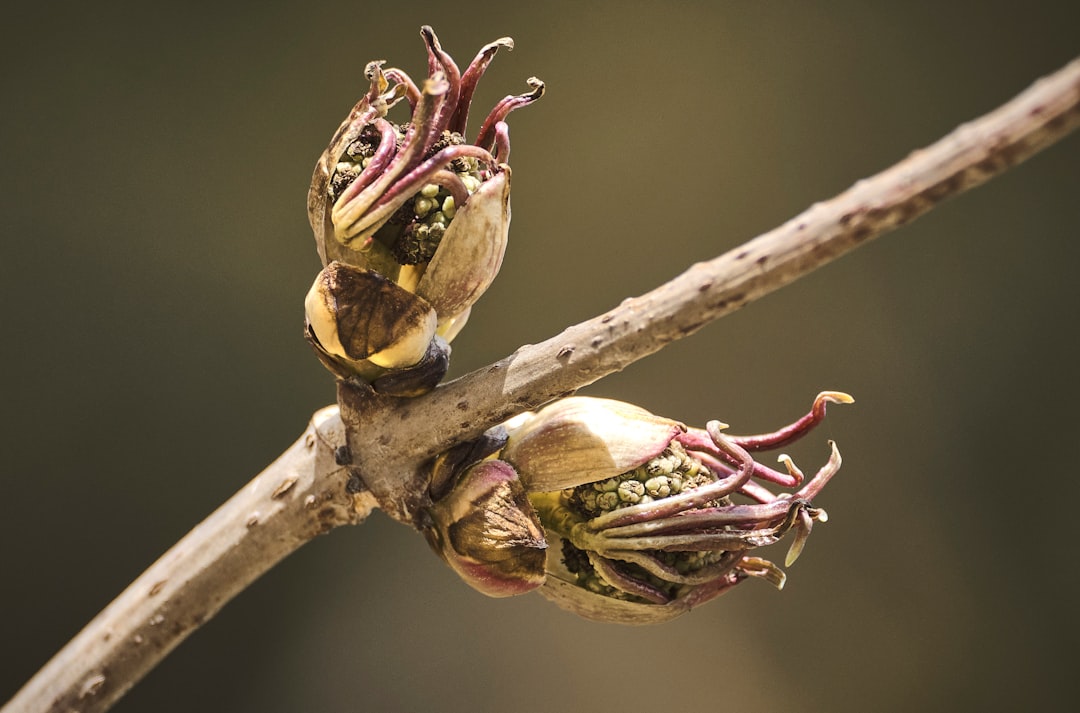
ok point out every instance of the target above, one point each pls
(305, 492)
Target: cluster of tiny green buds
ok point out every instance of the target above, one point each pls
(417, 204)
(670, 473)
(643, 518)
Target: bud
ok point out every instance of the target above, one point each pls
(362, 324)
(416, 202)
(359, 315)
(667, 516)
(486, 529)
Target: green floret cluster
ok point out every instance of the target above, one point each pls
(670, 473)
(415, 230)
(426, 217)
(357, 156)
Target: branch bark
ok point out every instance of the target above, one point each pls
(307, 492)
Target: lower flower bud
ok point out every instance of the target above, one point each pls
(663, 531)
(620, 515)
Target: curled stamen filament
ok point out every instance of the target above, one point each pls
(614, 575)
(485, 137)
(666, 572)
(757, 567)
(722, 464)
(411, 91)
(469, 79)
(798, 429)
(379, 161)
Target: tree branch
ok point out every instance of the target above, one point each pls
(306, 492)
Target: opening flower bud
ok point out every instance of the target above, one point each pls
(417, 201)
(667, 517)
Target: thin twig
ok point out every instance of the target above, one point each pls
(306, 492)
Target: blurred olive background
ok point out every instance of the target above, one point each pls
(155, 255)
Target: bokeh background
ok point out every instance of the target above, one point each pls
(155, 254)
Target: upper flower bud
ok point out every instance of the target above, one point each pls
(653, 528)
(416, 201)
